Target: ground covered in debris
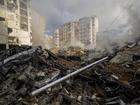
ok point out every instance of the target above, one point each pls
(115, 81)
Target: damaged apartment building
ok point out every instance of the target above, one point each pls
(66, 34)
(83, 31)
(15, 21)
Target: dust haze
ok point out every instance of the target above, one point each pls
(112, 31)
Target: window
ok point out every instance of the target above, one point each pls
(23, 12)
(23, 5)
(2, 2)
(24, 27)
(11, 4)
(24, 23)
(25, 1)
(24, 20)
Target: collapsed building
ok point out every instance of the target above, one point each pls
(33, 76)
(16, 16)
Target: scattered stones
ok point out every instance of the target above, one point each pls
(112, 82)
(122, 58)
(41, 74)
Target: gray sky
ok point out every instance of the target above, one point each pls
(57, 12)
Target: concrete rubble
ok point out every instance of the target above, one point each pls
(72, 53)
(121, 58)
(114, 81)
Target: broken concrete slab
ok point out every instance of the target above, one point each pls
(111, 83)
(122, 58)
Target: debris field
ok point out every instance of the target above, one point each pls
(114, 81)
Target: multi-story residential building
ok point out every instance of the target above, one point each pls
(56, 38)
(84, 31)
(88, 27)
(17, 18)
(76, 31)
(66, 34)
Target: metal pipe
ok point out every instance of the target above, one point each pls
(66, 77)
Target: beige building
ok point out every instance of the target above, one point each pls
(18, 19)
(3, 32)
(56, 38)
(83, 31)
(66, 34)
(88, 28)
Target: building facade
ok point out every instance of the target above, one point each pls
(66, 34)
(3, 34)
(56, 38)
(88, 27)
(17, 17)
(84, 31)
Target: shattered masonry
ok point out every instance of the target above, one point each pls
(112, 82)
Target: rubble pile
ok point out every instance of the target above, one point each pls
(26, 71)
(74, 53)
(7, 53)
(116, 81)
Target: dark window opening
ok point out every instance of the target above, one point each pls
(12, 4)
(2, 19)
(24, 1)
(23, 5)
(10, 30)
(2, 2)
(24, 27)
(24, 20)
(23, 12)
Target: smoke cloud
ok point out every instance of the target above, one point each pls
(123, 30)
(123, 33)
(57, 12)
(134, 19)
(38, 32)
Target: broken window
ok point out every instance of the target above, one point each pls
(24, 15)
(2, 19)
(24, 27)
(12, 4)
(23, 12)
(24, 20)
(2, 2)
(23, 5)
(24, 1)
(24, 23)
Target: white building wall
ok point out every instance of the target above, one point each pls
(56, 38)
(88, 27)
(84, 29)
(67, 34)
